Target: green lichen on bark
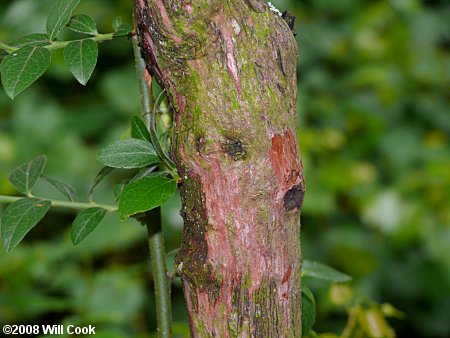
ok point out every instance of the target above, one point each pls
(229, 68)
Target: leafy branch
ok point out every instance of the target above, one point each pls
(26, 59)
(23, 213)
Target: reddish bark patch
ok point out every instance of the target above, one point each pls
(232, 67)
(287, 275)
(167, 22)
(287, 168)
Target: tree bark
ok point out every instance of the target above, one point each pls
(229, 68)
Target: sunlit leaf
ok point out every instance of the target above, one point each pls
(320, 271)
(83, 23)
(19, 218)
(24, 177)
(389, 310)
(67, 190)
(129, 153)
(374, 324)
(81, 58)
(86, 222)
(139, 129)
(59, 16)
(145, 194)
(22, 67)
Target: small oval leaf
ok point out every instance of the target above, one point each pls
(139, 129)
(81, 58)
(320, 271)
(117, 22)
(86, 222)
(24, 177)
(65, 189)
(145, 194)
(19, 218)
(129, 153)
(22, 67)
(123, 29)
(59, 16)
(83, 23)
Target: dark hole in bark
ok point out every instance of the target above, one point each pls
(293, 198)
(200, 144)
(234, 148)
(290, 19)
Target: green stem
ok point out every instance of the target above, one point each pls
(6, 47)
(152, 220)
(61, 44)
(160, 278)
(144, 88)
(155, 141)
(62, 204)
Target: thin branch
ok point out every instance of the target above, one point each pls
(62, 204)
(61, 44)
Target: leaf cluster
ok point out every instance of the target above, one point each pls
(148, 189)
(28, 57)
(23, 214)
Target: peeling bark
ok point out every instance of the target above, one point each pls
(229, 68)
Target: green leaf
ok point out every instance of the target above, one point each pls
(116, 22)
(308, 310)
(24, 177)
(22, 67)
(105, 171)
(129, 153)
(59, 16)
(320, 271)
(143, 173)
(86, 222)
(19, 218)
(123, 29)
(68, 191)
(118, 189)
(139, 129)
(83, 23)
(145, 194)
(35, 39)
(81, 58)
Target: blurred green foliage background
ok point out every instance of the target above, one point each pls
(374, 127)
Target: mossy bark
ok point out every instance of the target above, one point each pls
(229, 68)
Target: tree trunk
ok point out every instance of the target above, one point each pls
(229, 68)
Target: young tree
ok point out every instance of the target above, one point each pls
(229, 71)
(229, 68)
